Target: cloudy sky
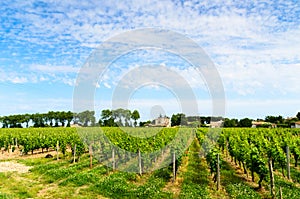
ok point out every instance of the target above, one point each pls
(254, 46)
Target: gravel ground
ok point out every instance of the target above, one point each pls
(12, 166)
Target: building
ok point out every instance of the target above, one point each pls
(216, 124)
(161, 121)
(296, 125)
(256, 124)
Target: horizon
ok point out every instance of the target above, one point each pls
(169, 116)
(253, 45)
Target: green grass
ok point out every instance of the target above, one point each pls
(234, 185)
(6, 196)
(62, 179)
(195, 184)
(295, 175)
(86, 177)
(15, 187)
(124, 185)
(289, 190)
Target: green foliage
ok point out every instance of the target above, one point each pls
(195, 184)
(178, 119)
(246, 122)
(289, 189)
(211, 158)
(298, 115)
(241, 191)
(230, 122)
(135, 115)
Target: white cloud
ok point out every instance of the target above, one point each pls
(18, 80)
(53, 69)
(106, 85)
(255, 45)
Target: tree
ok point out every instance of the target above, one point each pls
(178, 119)
(298, 115)
(27, 119)
(38, 120)
(87, 118)
(230, 122)
(205, 120)
(127, 116)
(142, 124)
(5, 122)
(246, 122)
(107, 118)
(62, 118)
(274, 119)
(135, 115)
(69, 117)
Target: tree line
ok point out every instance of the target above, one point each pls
(180, 119)
(126, 118)
(118, 117)
(50, 119)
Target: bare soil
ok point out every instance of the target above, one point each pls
(13, 166)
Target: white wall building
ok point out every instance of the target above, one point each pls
(162, 121)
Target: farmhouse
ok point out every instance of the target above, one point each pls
(216, 124)
(256, 124)
(161, 121)
(296, 125)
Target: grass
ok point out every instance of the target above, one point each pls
(235, 185)
(62, 179)
(289, 190)
(124, 185)
(14, 185)
(50, 178)
(295, 175)
(195, 183)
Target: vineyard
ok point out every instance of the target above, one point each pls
(112, 162)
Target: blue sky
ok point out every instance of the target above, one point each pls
(254, 45)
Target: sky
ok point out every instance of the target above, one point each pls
(254, 46)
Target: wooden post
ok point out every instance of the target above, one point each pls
(57, 148)
(218, 172)
(252, 169)
(74, 155)
(288, 162)
(140, 162)
(280, 192)
(174, 167)
(91, 156)
(113, 159)
(227, 155)
(272, 181)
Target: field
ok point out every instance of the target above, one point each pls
(108, 163)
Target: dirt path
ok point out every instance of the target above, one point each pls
(13, 166)
(6, 155)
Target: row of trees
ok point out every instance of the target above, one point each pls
(278, 120)
(50, 119)
(245, 122)
(197, 121)
(125, 117)
(119, 117)
(180, 119)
